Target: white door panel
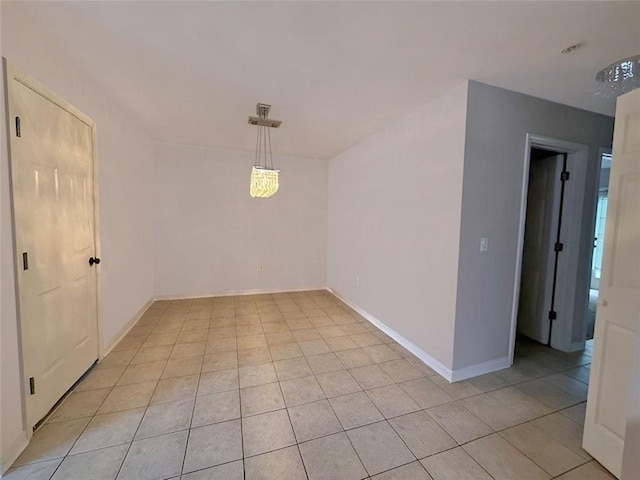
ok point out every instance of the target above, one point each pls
(53, 196)
(619, 304)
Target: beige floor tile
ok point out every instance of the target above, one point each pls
(219, 361)
(381, 353)
(165, 418)
(119, 358)
(253, 356)
(306, 334)
(222, 332)
(548, 453)
(102, 464)
(324, 363)
(192, 336)
(182, 367)
(331, 458)
(569, 385)
(279, 338)
(34, 471)
(392, 401)
(292, 368)
(379, 447)
(459, 422)
(109, 430)
(129, 343)
(184, 350)
(400, 370)
(521, 403)
(366, 339)
(491, 412)
(228, 471)
(454, 464)
(215, 408)
(422, 434)
(52, 441)
(215, 345)
(425, 393)
(213, 445)
(313, 420)
(489, 382)
(354, 358)
(157, 339)
(579, 373)
(314, 347)
(178, 388)
(503, 461)
(576, 413)
(564, 430)
(284, 352)
(257, 375)
(214, 382)
(370, 376)
(127, 397)
(590, 471)
(152, 354)
(355, 410)
(285, 464)
(548, 394)
(154, 458)
(252, 329)
(261, 399)
(411, 471)
(328, 331)
(338, 344)
(101, 378)
(338, 383)
(456, 390)
(144, 372)
(301, 390)
(79, 404)
(252, 341)
(266, 432)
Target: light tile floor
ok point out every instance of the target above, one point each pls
(299, 386)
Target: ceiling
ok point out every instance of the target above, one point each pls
(334, 72)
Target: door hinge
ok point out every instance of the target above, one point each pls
(558, 247)
(18, 133)
(32, 385)
(564, 176)
(552, 315)
(25, 261)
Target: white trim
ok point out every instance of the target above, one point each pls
(481, 369)
(417, 351)
(239, 293)
(125, 329)
(18, 447)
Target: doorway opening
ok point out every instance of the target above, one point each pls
(598, 241)
(554, 247)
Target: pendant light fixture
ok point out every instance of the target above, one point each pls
(619, 77)
(264, 178)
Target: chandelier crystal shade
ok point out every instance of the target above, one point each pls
(619, 77)
(264, 178)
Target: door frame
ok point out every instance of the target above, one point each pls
(13, 73)
(577, 164)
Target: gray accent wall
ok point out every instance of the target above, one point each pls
(498, 121)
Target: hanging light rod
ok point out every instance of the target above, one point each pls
(262, 110)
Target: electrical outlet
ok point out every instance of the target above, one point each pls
(484, 244)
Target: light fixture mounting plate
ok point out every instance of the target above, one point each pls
(262, 110)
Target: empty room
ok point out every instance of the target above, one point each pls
(320, 240)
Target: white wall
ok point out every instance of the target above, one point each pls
(125, 165)
(394, 222)
(498, 121)
(211, 237)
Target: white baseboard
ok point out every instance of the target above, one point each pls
(480, 369)
(238, 293)
(417, 351)
(125, 329)
(451, 375)
(14, 452)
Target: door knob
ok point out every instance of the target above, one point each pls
(93, 260)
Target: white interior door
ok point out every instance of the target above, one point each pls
(619, 302)
(538, 255)
(51, 150)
